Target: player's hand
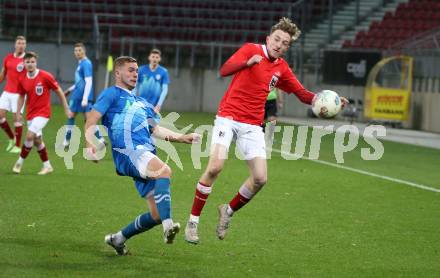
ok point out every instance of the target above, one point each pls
(84, 103)
(344, 102)
(66, 92)
(191, 138)
(157, 108)
(256, 59)
(91, 153)
(70, 114)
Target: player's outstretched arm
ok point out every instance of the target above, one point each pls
(169, 135)
(63, 101)
(89, 131)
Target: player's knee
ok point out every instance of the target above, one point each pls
(214, 170)
(164, 172)
(260, 180)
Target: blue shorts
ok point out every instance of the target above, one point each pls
(144, 186)
(75, 106)
(126, 167)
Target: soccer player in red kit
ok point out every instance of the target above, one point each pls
(36, 85)
(257, 69)
(12, 69)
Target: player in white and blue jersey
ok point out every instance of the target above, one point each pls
(131, 122)
(81, 93)
(153, 81)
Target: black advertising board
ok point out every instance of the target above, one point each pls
(348, 67)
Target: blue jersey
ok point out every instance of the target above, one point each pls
(149, 83)
(129, 120)
(84, 69)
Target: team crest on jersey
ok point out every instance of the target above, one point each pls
(273, 81)
(158, 76)
(39, 89)
(20, 67)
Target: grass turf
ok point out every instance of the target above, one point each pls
(310, 220)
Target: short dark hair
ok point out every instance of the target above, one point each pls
(286, 25)
(155, 51)
(29, 55)
(80, 44)
(20, 37)
(122, 60)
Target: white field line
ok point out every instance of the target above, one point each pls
(404, 182)
(408, 183)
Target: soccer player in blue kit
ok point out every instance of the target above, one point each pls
(153, 81)
(82, 91)
(131, 121)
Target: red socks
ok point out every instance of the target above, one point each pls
(5, 126)
(18, 133)
(201, 195)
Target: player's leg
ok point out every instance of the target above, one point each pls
(5, 106)
(25, 150)
(251, 186)
(251, 144)
(42, 152)
(142, 223)
(271, 117)
(222, 135)
(69, 126)
(161, 173)
(17, 124)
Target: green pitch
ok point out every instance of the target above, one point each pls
(310, 220)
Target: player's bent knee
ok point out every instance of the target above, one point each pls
(163, 172)
(214, 170)
(260, 181)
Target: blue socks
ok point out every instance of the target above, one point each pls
(70, 123)
(145, 221)
(162, 198)
(142, 223)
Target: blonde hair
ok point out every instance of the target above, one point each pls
(19, 38)
(286, 25)
(122, 60)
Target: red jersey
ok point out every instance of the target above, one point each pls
(37, 91)
(13, 69)
(247, 93)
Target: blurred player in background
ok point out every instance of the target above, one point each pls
(82, 91)
(131, 122)
(257, 70)
(36, 85)
(273, 102)
(153, 81)
(12, 69)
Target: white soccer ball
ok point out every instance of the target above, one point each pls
(326, 104)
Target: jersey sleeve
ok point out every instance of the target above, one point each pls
(5, 69)
(87, 69)
(238, 60)
(104, 101)
(290, 84)
(51, 82)
(165, 78)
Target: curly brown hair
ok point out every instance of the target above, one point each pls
(286, 25)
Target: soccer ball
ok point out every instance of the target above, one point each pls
(326, 104)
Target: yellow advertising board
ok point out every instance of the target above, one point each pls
(386, 102)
